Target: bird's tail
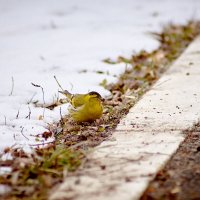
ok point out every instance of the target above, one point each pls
(67, 94)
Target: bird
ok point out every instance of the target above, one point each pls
(84, 107)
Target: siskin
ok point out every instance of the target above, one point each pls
(84, 107)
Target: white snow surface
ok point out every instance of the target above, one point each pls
(40, 39)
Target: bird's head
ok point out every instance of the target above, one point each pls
(96, 95)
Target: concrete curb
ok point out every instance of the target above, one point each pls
(144, 140)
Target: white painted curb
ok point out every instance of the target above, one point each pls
(120, 168)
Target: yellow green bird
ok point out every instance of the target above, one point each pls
(85, 107)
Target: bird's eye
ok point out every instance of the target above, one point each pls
(95, 94)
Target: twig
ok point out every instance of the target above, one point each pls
(14, 136)
(162, 82)
(12, 86)
(130, 97)
(56, 97)
(17, 116)
(58, 83)
(43, 95)
(29, 114)
(61, 117)
(42, 143)
(35, 85)
(71, 86)
(31, 98)
(154, 153)
(23, 133)
(5, 121)
(57, 100)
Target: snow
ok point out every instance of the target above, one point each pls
(144, 140)
(40, 39)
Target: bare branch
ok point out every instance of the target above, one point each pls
(14, 136)
(61, 117)
(71, 86)
(43, 143)
(29, 114)
(36, 85)
(57, 97)
(31, 98)
(58, 83)
(5, 121)
(17, 116)
(13, 83)
(162, 82)
(23, 133)
(43, 101)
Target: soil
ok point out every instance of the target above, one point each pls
(33, 175)
(180, 177)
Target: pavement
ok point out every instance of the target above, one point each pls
(122, 167)
(180, 178)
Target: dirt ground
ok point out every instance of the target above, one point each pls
(180, 177)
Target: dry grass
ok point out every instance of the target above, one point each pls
(33, 175)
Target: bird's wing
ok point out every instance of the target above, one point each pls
(78, 100)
